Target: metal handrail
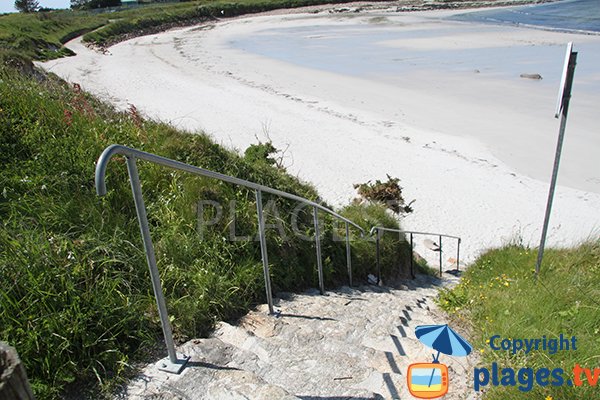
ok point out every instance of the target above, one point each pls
(381, 228)
(377, 229)
(173, 363)
(110, 151)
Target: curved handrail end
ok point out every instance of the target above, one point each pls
(103, 162)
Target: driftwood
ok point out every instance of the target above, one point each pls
(13, 379)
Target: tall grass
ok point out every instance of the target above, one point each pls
(76, 299)
(500, 296)
(41, 35)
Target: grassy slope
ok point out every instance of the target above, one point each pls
(41, 35)
(76, 298)
(500, 296)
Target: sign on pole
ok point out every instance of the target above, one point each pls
(562, 109)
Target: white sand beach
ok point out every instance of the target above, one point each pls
(471, 141)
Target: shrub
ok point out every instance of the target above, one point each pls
(387, 193)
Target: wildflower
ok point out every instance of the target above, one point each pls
(68, 117)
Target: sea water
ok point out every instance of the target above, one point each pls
(409, 57)
(359, 49)
(582, 16)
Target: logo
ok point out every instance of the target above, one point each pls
(430, 380)
(526, 378)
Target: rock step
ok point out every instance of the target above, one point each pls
(352, 343)
(310, 369)
(312, 336)
(208, 376)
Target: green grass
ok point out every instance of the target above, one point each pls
(500, 296)
(76, 299)
(40, 35)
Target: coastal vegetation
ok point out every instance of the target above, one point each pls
(499, 295)
(76, 299)
(41, 35)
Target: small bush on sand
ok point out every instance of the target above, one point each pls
(388, 193)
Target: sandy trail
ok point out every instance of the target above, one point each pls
(471, 141)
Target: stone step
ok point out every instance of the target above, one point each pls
(364, 358)
(352, 343)
(209, 375)
(312, 368)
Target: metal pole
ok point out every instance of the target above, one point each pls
(440, 246)
(458, 256)
(176, 365)
(263, 250)
(348, 254)
(559, 144)
(378, 263)
(318, 245)
(412, 269)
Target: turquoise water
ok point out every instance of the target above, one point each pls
(360, 49)
(348, 49)
(567, 15)
(452, 67)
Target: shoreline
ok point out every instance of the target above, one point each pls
(192, 78)
(353, 6)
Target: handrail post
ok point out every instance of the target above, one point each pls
(440, 246)
(318, 246)
(458, 256)
(263, 249)
(378, 255)
(412, 270)
(348, 255)
(173, 364)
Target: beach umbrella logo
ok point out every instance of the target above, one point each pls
(429, 380)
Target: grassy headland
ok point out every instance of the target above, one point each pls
(41, 35)
(499, 295)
